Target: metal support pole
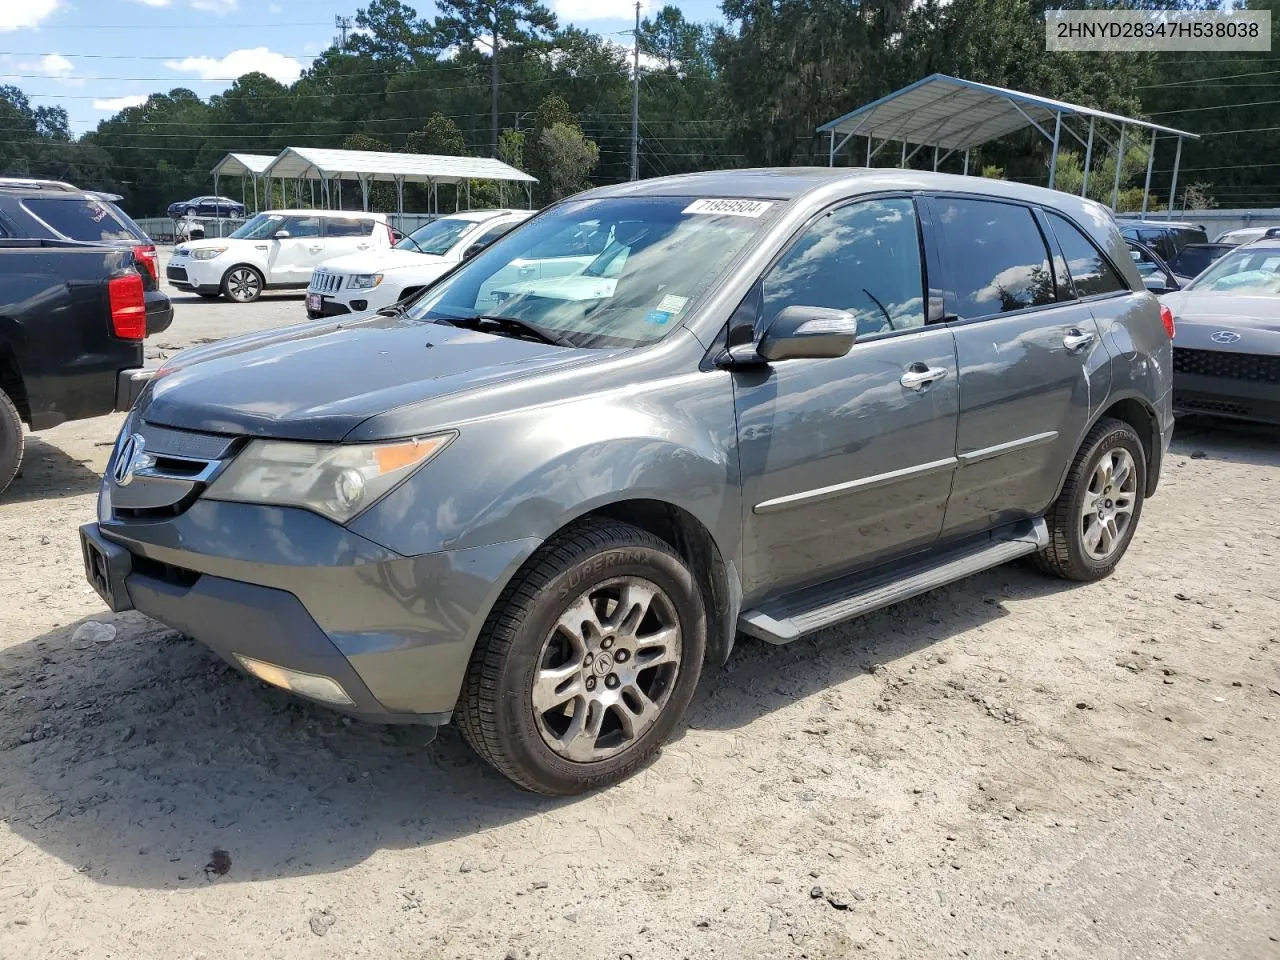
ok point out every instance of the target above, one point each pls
(1151, 159)
(966, 163)
(1053, 158)
(312, 185)
(935, 158)
(255, 194)
(831, 151)
(1115, 189)
(868, 150)
(469, 179)
(635, 103)
(216, 191)
(400, 195)
(1173, 187)
(1088, 159)
(903, 162)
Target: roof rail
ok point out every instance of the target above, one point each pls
(23, 183)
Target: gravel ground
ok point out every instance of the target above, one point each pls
(1008, 767)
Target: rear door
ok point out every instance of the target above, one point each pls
(345, 235)
(296, 247)
(1030, 357)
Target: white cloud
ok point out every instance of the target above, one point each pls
(215, 6)
(599, 9)
(274, 8)
(153, 3)
(21, 14)
(56, 65)
(239, 62)
(116, 104)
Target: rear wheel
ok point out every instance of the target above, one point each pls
(11, 441)
(1094, 518)
(587, 662)
(243, 284)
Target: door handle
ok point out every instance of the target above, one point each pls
(1076, 340)
(315, 249)
(525, 271)
(362, 246)
(919, 376)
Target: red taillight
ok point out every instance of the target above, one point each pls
(391, 235)
(146, 257)
(1166, 316)
(128, 307)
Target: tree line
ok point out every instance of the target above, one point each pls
(505, 78)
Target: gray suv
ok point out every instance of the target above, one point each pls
(538, 498)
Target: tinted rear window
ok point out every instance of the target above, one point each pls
(85, 219)
(995, 256)
(1092, 274)
(349, 228)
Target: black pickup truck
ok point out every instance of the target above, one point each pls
(72, 320)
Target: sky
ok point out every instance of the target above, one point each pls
(95, 57)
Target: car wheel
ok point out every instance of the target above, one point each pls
(242, 284)
(11, 441)
(1093, 520)
(587, 662)
(191, 211)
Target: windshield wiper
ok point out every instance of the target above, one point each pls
(397, 309)
(511, 325)
(409, 237)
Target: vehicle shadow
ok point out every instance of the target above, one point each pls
(1231, 441)
(185, 298)
(49, 472)
(132, 760)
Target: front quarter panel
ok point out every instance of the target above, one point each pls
(529, 471)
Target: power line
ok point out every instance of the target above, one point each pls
(1220, 106)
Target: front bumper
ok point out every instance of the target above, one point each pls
(188, 273)
(395, 632)
(1221, 397)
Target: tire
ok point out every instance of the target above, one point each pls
(191, 211)
(615, 565)
(1083, 545)
(11, 441)
(242, 283)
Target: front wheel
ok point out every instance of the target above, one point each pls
(242, 284)
(1094, 518)
(11, 441)
(191, 211)
(587, 662)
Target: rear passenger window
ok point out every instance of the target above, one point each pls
(995, 255)
(1089, 269)
(349, 228)
(864, 259)
(80, 218)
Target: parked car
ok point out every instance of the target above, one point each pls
(53, 210)
(1157, 276)
(1248, 235)
(752, 414)
(1165, 238)
(276, 249)
(375, 279)
(206, 207)
(1195, 258)
(72, 322)
(1226, 357)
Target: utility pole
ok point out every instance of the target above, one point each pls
(635, 101)
(343, 24)
(493, 145)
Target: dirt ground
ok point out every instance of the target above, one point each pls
(1009, 767)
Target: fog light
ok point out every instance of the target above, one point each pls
(295, 681)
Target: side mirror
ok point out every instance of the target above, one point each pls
(1135, 256)
(808, 333)
(280, 235)
(472, 250)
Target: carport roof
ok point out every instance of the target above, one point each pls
(955, 114)
(242, 164)
(306, 163)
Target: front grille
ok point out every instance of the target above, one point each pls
(175, 273)
(325, 282)
(1253, 367)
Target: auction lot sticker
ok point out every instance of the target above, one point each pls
(730, 208)
(1107, 31)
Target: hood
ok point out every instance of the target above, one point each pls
(381, 261)
(186, 246)
(318, 381)
(1220, 320)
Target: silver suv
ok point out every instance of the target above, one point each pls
(769, 401)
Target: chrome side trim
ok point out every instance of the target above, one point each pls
(1000, 449)
(840, 489)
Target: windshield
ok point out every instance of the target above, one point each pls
(260, 227)
(617, 272)
(437, 237)
(1190, 261)
(1245, 271)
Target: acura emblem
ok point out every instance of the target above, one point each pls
(1225, 336)
(132, 456)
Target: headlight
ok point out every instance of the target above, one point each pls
(209, 253)
(364, 281)
(335, 480)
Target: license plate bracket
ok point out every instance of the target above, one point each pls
(315, 302)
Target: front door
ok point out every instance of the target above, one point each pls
(1031, 361)
(847, 462)
(297, 246)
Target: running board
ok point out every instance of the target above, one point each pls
(812, 609)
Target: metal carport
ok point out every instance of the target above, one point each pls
(367, 167)
(953, 115)
(242, 165)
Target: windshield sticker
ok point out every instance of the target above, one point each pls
(672, 304)
(657, 316)
(729, 208)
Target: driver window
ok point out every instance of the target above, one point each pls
(302, 227)
(864, 259)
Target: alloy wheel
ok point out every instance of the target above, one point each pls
(243, 285)
(1109, 502)
(606, 671)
